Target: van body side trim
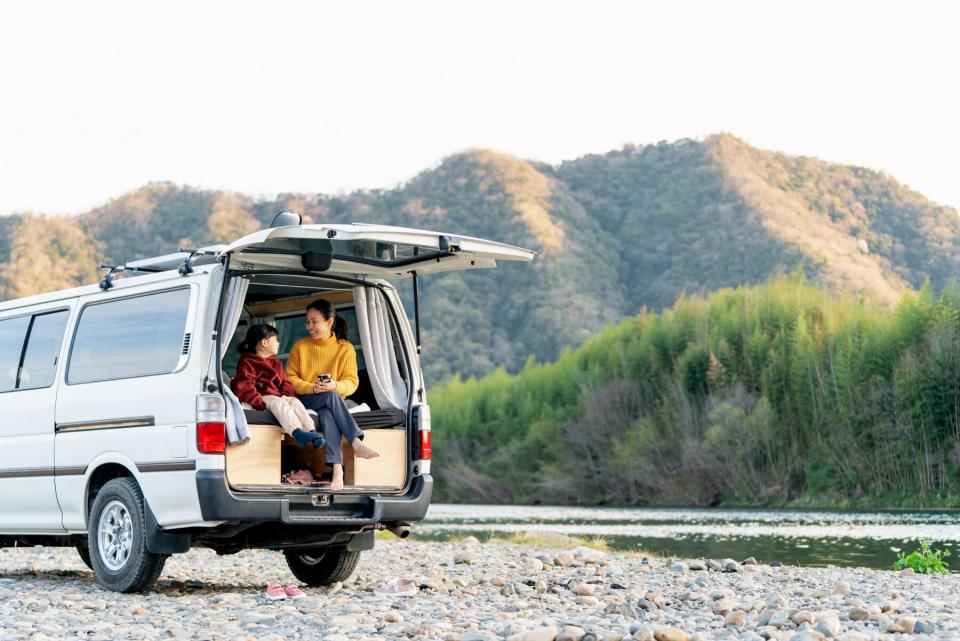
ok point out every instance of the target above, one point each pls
(167, 466)
(25, 472)
(107, 424)
(78, 470)
(21, 472)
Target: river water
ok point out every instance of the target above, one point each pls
(798, 537)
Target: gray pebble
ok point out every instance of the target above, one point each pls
(922, 627)
(729, 565)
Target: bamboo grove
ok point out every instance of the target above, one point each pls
(775, 394)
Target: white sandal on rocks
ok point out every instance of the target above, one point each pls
(396, 587)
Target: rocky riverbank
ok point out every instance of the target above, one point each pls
(476, 592)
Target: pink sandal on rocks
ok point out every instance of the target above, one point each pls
(293, 592)
(275, 592)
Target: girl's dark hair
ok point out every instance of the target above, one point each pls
(255, 334)
(340, 329)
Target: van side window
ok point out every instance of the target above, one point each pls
(43, 347)
(130, 337)
(12, 334)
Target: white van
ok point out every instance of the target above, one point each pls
(119, 433)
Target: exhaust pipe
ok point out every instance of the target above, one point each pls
(401, 530)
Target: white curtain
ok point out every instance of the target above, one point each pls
(379, 353)
(237, 431)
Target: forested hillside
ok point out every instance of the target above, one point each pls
(772, 394)
(617, 232)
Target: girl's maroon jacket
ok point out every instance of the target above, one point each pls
(258, 377)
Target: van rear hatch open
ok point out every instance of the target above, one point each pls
(347, 252)
(378, 251)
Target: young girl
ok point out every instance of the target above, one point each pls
(260, 381)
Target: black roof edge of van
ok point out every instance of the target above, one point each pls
(413, 260)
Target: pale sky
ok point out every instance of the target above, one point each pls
(99, 98)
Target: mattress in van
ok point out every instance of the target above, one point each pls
(375, 419)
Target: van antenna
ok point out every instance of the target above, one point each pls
(187, 266)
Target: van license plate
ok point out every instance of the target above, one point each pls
(320, 500)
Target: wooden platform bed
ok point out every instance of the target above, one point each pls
(270, 453)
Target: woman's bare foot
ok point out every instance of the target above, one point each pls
(337, 482)
(363, 451)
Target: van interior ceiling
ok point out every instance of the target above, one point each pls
(271, 461)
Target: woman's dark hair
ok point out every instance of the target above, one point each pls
(255, 334)
(340, 329)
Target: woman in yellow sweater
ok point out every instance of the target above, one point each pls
(323, 370)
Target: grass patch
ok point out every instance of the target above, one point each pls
(879, 501)
(460, 538)
(555, 540)
(546, 540)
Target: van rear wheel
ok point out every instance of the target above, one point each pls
(322, 566)
(116, 531)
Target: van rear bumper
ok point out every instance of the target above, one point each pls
(219, 503)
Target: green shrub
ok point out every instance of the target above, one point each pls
(924, 560)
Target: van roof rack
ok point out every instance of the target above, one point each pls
(196, 257)
(185, 260)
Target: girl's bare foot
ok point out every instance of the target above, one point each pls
(363, 451)
(337, 482)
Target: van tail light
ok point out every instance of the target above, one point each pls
(211, 438)
(425, 445)
(211, 424)
(421, 421)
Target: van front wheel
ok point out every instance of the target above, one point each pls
(323, 566)
(116, 531)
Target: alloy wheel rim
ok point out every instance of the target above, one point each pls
(115, 535)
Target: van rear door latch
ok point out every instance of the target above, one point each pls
(319, 500)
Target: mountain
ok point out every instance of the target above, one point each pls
(616, 233)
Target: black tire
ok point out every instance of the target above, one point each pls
(323, 566)
(83, 550)
(127, 565)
